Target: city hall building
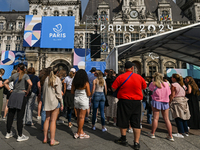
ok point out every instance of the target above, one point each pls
(116, 21)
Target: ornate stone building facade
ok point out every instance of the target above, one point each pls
(118, 22)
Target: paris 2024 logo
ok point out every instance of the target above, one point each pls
(58, 32)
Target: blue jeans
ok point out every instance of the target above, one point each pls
(43, 113)
(149, 116)
(98, 101)
(69, 114)
(181, 125)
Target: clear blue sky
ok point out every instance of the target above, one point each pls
(23, 5)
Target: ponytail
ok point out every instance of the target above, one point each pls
(21, 74)
(179, 79)
(52, 76)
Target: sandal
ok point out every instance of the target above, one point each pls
(76, 136)
(55, 143)
(70, 125)
(44, 142)
(84, 136)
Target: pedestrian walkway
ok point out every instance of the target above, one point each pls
(98, 140)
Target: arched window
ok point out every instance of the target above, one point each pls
(152, 67)
(56, 13)
(76, 41)
(34, 12)
(70, 13)
(20, 25)
(127, 39)
(1, 25)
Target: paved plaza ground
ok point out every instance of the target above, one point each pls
(98, 140)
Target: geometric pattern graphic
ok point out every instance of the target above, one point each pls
(13, 57)
(32, 31)
(7, 58)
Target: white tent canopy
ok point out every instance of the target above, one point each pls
(182, 44)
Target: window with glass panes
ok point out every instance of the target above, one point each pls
(10, 26)
(70, 13)
(34, 12)
(56, 13)
(20, 25)
(18, 37)
(32, 48)
(8, 37)
(68, 50)
(1, 25)
(7, 47)
(152, 70)
(17, 47)
(150, 34)
(118, 38)
(134, 36)
(104, 37)
(54, 49)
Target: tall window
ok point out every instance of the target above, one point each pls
(34, 12)
(8, 37)
(1, 25)
(56, 13)
(118, 39)
(17, 47)
(10, 26)
(70, 13)
(18, 37)
(150, 34)
(20, 25)
(134, 36)
(152, 67)
(7, 47)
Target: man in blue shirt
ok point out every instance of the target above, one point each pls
(91, 77)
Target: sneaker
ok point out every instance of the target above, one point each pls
(114, 124)
(130, 130)
(59, 121)
(140, 126)
(170, 138)
(104, 129)
(119, 141)
(9, 135)
(178, 135)
(185, 134)
(4, 118)
(151, 135)
(22, 138)
(96, 120)
(107, 122)
(94, 128)
(38, 117)
(136, 146)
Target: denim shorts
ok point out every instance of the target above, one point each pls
(160, 105)
(58, 105)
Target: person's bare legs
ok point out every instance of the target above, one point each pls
(115, 119)
(123, 131)
(136, 133)
(155, 120)
(39, 108)
(54, 116)
(81, 121)
(6, 109)
(165, 114)
(46, 125)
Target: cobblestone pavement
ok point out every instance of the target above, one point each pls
(98, 140)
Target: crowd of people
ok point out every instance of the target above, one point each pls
(123, 98)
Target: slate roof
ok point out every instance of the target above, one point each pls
(13, 15)
(116, 7)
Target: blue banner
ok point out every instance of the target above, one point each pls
(99, 65)
(58, 32)
(8, 70)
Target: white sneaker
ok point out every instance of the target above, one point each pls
(96, 120)
(170, 138)
(185, 134)
(178, 135)
(151, 135)
(104, 129)
(130, 130)
(140, 126)
(22, 138)
(4, 118)
(9, 135)
(38, 117)
(59, 121)
(94, 128)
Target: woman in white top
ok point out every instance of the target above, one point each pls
(99, 86)
(68, 97)
(52, 97)
(81, 91)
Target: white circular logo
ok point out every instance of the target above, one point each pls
(133, 14)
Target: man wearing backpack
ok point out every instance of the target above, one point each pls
(129, 86)
(35, 91)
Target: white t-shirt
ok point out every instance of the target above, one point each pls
(68, 81)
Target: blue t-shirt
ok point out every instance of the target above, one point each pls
(34, 80)
(91, 77)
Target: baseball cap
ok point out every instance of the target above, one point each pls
(73, 70)
(128, 65)
(93, 69)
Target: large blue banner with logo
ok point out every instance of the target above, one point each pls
(57, 32)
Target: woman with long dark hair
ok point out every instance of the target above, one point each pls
(179, 105)
(99, 86)
(192, 94)
(52, 97)
(81, 90)
(17, 101)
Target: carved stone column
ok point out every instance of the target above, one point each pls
(161, 64)
(144, 65)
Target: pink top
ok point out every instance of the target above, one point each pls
(179, 92)
(161, 94)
